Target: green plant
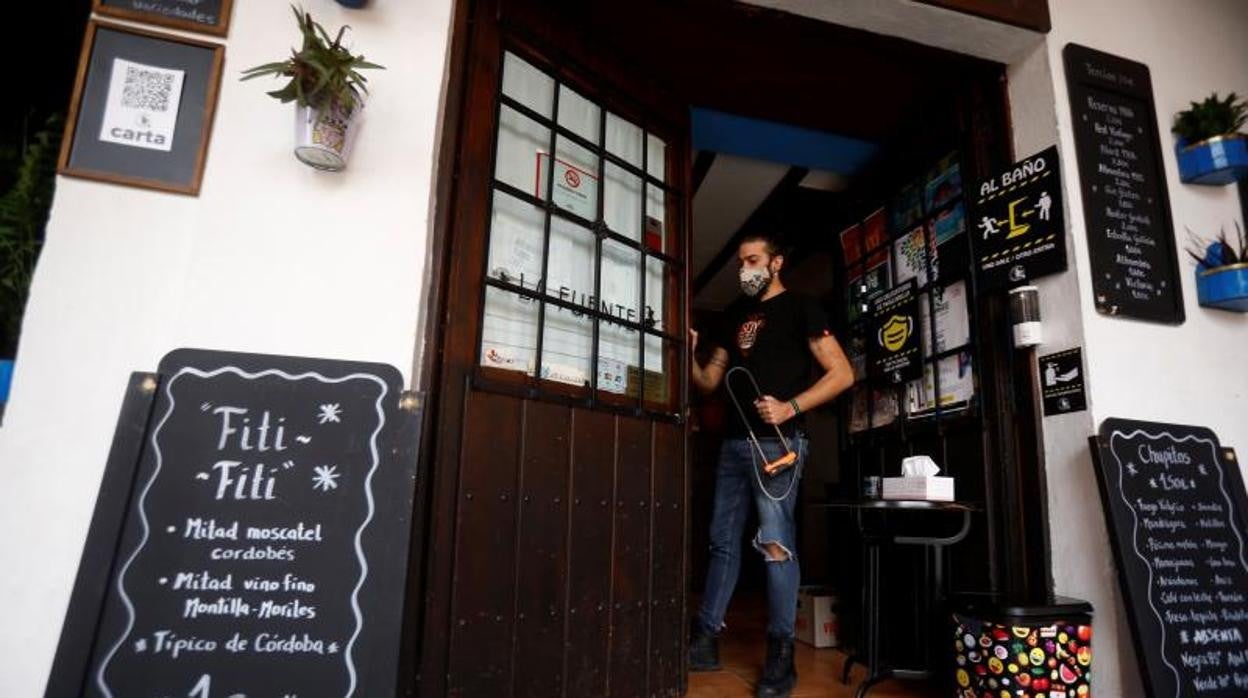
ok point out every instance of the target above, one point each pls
(1219, 252)
(322, 72)
(1212, 117)
(23, 214)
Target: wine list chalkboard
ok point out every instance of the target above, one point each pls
(1174, 503)
(1126, 206)
(259, 548)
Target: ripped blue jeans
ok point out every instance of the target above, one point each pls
(740, 480)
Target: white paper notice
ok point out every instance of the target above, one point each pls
(142, 106)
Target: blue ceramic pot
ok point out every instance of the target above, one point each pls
(6, 378)
(354, 4)
(1223, 287)
(1217, 160)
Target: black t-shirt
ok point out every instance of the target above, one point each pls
(771, 338)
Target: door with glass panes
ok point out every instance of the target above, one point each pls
(557, 526)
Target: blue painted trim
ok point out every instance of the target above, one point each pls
(6, 379)
(768, 140)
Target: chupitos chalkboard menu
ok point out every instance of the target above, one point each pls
(1126, 206)
(251, 534)
(1174, 503)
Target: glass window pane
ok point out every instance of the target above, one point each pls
(656, 218)
(578, 115)
(509, 331)
(659, 355)
(516, 241)
(656, 157)
(621, 288)
(528, 85)
(571, 266)
(659, 288)
(521, 143)
(575, 188)
(619, 350)
(624, 139)
(567, 346)
(622, 206)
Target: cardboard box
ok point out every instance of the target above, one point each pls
(817, 624)
(934, 488)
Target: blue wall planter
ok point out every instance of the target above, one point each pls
(353, 3)
(6, 379)
(1217, 160)
(1223, 287)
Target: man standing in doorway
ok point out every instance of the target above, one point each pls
(781, 337)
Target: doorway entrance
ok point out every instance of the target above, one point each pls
(563, 520)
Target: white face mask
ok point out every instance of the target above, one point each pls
(753, 281)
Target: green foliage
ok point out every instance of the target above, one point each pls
(1212, 117)
(23, 214)
(1220, 251)
(321, 72)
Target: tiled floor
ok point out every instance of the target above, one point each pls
(743, 646)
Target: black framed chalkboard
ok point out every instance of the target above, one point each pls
(1126, 204)
(208, 16)
(251, 534)
(142, 109)
(1175, 506)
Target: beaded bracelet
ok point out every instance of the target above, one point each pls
(796, 410)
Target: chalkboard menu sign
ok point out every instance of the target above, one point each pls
(1126, 206)
(1174, 503)
(259, 548)
(894, 341)
(208, 16)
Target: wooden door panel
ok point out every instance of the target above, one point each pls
(483, 584)
(589, 574)
(631, 578)
(542, 549)
(669, 566)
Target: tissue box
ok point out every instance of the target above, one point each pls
(816, 618)
(933, 488)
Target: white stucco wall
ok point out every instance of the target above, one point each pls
(272, 257)
(1194, 373)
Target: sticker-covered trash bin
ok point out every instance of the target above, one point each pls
(1022, 651)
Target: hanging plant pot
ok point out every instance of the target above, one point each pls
(323, 137)
(1224, 287)
(1218, 160)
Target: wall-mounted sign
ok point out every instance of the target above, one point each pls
(574, 189)
(250, 537)
(142, 109)
(894, 334)
(1018, 224)
(1126, 206)
(208, 16)
(1061, 382)
(1174, 503)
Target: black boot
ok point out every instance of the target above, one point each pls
(703, 649)
(780, 673)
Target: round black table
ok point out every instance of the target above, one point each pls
(934, 545)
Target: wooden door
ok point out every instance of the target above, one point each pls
(556, 559)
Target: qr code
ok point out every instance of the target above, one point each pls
(147, 89)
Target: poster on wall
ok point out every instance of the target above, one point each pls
(1061, 382)
(251, 537)
(1018, 222)
(893, 335)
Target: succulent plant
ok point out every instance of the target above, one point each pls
(1212, 117)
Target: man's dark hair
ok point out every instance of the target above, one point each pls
(771, 241)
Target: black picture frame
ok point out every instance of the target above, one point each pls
(181, 168)
(171, 14)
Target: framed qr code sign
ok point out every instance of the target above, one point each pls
(207, 16)
(142, 109)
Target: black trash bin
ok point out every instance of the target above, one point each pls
(1022, 651)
